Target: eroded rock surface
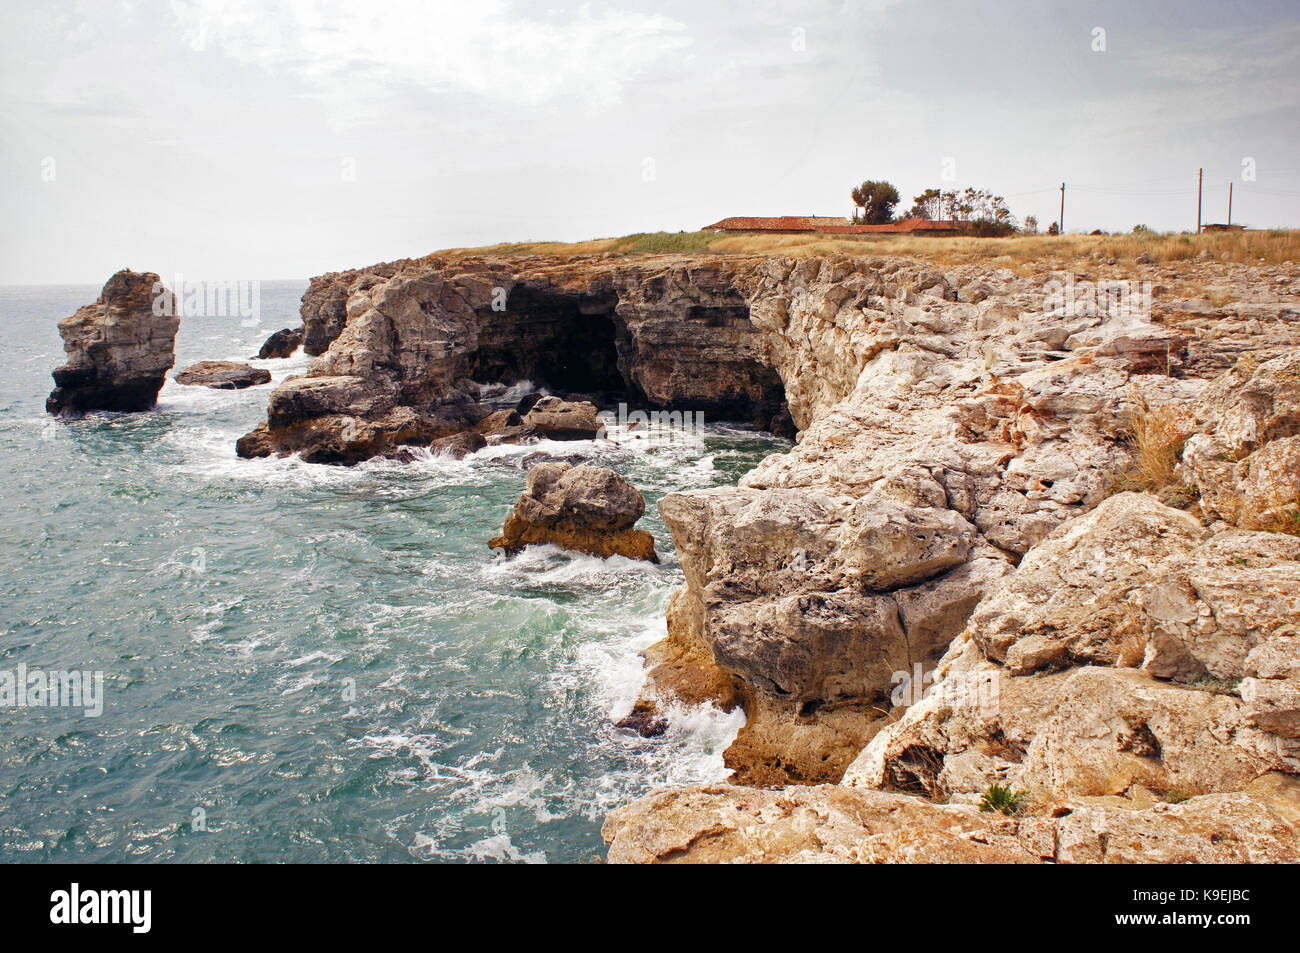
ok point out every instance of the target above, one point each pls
(119, 348)
(1245, 465)
(833, 824)
(223, 375)
(417, 335)
(586, 508)
(1130, 666)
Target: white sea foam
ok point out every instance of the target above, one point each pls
(550, 565)
(499, 847)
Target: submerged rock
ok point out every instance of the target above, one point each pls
(585, 508)
(119, 348)
(646, 722)
(458, 446)
(223, 375)
(281, 344)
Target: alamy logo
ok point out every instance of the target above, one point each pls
(209, 299)
(669, 422)
(1124, 303)
(74, 906)
(977, 690)
(36, 688)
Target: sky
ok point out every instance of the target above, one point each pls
(254, 139)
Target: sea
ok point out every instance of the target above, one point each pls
(310, 663)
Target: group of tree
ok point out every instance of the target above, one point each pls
(982, 212)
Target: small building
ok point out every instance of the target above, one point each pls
(827, 225)
(1219, 227)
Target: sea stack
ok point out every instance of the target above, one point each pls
(119, 348)
(584, 508)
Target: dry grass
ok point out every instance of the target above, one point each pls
(1272, 247)
(1157, 436)
(1132, 649)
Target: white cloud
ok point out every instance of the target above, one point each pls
(353, 53)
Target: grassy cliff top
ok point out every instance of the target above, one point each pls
(1274, 246)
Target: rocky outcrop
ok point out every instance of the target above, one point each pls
(119, 348)
(345, 419)
(1130, 667)
(944, 519)
(585, 508)
(1245, 465)
(1136, 679)
(281, 344)
(662, 332)
(837, 824)
(223, 375)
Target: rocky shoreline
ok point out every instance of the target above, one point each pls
(947, 514)
(961, 584)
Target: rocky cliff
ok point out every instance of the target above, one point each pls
(1129, 668)
(946, 522)
(403, 347)
(119, 348)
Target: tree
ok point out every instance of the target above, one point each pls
(1031, 224)
(1054, 229)
(877, 201)
(926, 205)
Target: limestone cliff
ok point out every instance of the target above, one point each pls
(958, 431)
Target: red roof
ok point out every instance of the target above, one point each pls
(832, 226)
(781, 223)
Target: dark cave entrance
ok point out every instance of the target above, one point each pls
(576, 345)
(564, 343)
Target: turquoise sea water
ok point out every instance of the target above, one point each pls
(312, 663)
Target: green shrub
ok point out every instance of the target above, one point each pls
(1000, 797)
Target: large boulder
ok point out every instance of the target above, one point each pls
(1137, 583)
(119, 348)
(585, 508)
(564, 420)
(223, 375)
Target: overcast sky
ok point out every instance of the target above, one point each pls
(258, 139)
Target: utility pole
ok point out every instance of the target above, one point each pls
(1200, 177)
(1229, 203)
(1060, 222)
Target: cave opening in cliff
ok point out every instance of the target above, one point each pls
(562, 342)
